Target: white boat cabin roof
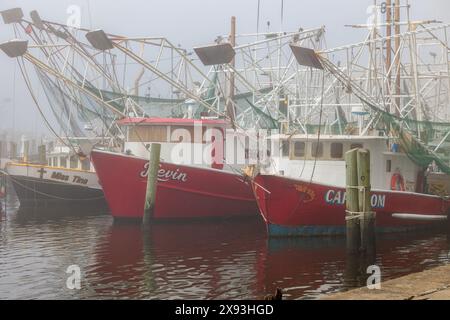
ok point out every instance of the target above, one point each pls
(182, 122)
(314, 137)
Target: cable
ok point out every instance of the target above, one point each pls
(26, 79)
(320, 126)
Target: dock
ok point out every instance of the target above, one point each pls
(433, 284)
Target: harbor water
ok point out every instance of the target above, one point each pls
(189, 260)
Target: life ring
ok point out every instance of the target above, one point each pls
(397, 182)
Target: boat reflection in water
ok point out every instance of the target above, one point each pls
(228, 260)
(202, 260)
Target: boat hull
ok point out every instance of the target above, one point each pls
(51, 189)
(47, 195)
(294, 207)
(183, 192)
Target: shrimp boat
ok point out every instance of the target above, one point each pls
(301, 189)
(187, 187)
(314, 204)
(66, 183)
(181, 95)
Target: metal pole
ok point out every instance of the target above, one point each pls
(388, 46)
(230, 106)
(397, 56)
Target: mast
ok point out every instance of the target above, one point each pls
(397, 57)
(230, 107)
(233, 62)
(388, 46)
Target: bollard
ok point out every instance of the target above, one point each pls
(367, 220)
(351, 201)
(152, 179)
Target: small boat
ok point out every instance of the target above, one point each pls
(66, 183)
(187, 187)
(306, 194)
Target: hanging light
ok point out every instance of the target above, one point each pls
(99, 40)
(306, 57)
(14, 15)
(215, 54)
(14, 48)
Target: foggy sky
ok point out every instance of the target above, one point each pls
(189, 23)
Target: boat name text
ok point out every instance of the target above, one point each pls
(337, 197)
(75, 179)
(166, 175)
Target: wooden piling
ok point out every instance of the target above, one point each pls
(152, 179)
(13, 151)
(351, 201)
(42, 154)
(367, 220)
(26, 151)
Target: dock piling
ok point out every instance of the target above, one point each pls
(351, 217)
(367, 217)
(26, 151)
(13, 151)
(152, 179)
(360, 220)
(42, 154)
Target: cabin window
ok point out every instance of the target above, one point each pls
(388, 166)
(337, 150)
(299, 149)
(285, 148)
(63, 162)
(356, 146)
(55, 161)
(317, 149)
(86, 164)
(73, 162)
(148, 134)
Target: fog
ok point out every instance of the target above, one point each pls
(188, 23)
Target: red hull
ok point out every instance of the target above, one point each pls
(294, 207)
(182, 192)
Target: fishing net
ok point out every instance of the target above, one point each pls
(424, 142)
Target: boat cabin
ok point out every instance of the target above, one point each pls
(63, 157)
(182, 140)
(209, 143)
(306, 156)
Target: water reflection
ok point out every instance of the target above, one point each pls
(209, 260)
(170, 261)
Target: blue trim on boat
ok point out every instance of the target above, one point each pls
(308, 231)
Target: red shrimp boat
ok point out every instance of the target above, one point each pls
(293, 206)
(183, 191)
